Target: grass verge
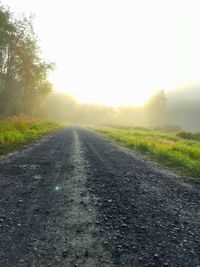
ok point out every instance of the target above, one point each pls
(164, 147)
(17, 131)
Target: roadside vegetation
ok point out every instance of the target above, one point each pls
(24, 82)
(23, 71)
(17, 131)
(177, 150)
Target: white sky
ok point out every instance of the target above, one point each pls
(117, 51)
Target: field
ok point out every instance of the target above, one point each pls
(17, 131)
(178, 150)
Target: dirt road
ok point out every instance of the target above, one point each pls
(74, 199)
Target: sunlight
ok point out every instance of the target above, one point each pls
(117, 52)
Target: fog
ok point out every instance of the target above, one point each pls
(178, 108)
(183, 106)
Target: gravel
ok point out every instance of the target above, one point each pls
(75, 199)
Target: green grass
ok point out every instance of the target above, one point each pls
(168, 148)
(17, 131)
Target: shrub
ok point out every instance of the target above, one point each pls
(189, 135)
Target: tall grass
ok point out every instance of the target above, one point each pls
(17, 131)
(168, 148)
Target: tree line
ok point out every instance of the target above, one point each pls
(61, 106)
(23, 73)
(160, 111)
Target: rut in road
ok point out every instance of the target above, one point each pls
(84, 242)
(74, 199)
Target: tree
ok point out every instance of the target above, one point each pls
(23, 74)
(156, 108)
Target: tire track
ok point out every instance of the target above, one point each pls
(83, 238)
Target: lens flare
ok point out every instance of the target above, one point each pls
(57, 188)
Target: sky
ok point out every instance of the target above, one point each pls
(117, 52)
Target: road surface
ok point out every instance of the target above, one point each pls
(74, 199)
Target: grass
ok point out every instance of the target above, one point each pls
(168, 148)
(17, 131)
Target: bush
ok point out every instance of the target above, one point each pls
(189, 135)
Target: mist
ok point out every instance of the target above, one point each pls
(183, 106)
(178, 108)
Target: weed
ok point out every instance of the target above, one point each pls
(17, 131)
(167, 147)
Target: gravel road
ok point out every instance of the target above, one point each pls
(75, 199)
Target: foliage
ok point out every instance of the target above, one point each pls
(23, 74)
(16, 131)
(169, 116)
(156, 108)
(62, 106)
(165, 147)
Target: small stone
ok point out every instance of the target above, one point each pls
(86, 253)
(78, 230)
(37, 177)
(192, 252)
(156, 256)
(65, 253)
